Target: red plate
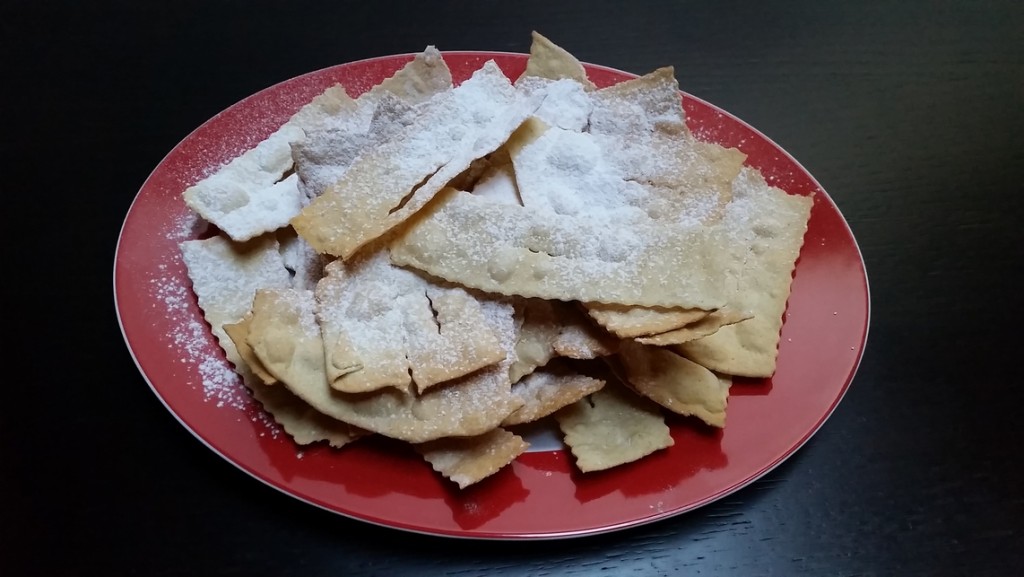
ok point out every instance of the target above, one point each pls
(540, 495)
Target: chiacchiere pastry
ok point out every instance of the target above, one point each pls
(441, 264)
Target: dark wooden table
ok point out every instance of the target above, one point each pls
(909, 113)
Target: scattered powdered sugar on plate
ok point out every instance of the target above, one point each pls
(190, 338)
(185, 226)
(221, 383)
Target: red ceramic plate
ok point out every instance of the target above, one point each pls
(540, 495)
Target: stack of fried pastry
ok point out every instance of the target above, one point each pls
(441, 264)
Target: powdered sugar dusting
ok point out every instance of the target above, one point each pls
(190, 339)
(364, 303)
(221, 383)
(394, 321)
(564, 103)
(498, 184)
(509, 249)
(248, 197)
(500, 315)
(619, 154)
(566, 173)
(185, 226)
(647, 105)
